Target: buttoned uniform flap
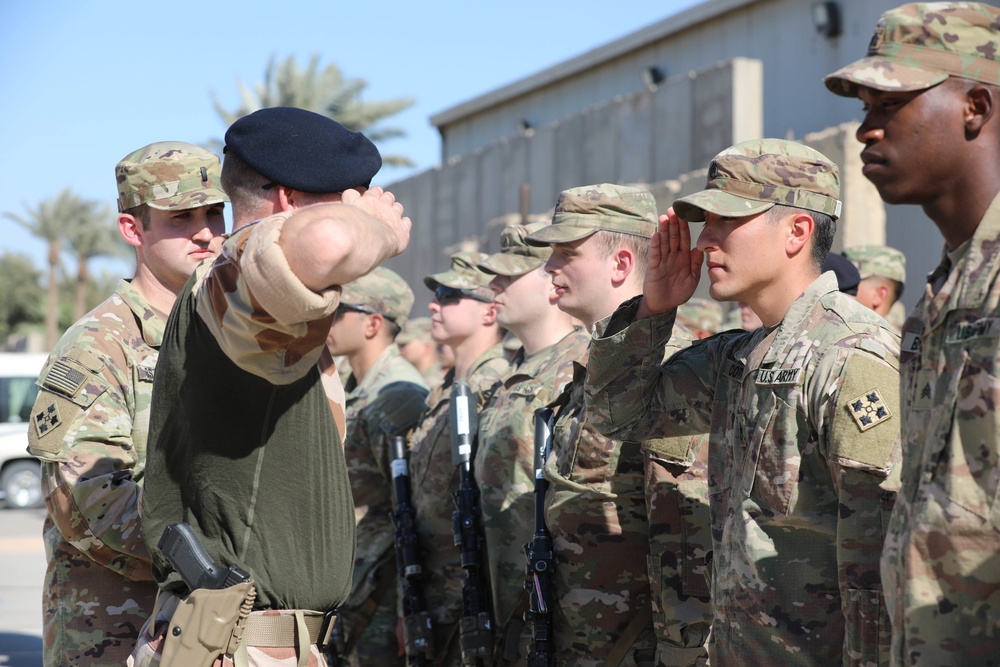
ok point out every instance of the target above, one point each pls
(865, 430)
(68, 387)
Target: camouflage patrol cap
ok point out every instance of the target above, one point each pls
(581, 212)
(169, 175)
(878, 260)
(704, 314)
(751, 177)
(919, 45)
(517, 256)
(383, 291)
(464, 274)
(417, 328)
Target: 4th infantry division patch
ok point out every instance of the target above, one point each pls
(46, 421)
(869, 409)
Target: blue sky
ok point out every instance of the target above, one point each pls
(85, 83)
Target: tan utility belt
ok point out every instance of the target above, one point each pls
(280, 630)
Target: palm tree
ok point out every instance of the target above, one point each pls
(52, 221)
(95, 235)
(326, 92)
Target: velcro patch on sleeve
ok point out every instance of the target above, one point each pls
(64, 378)
(50, 420)
(865, 427)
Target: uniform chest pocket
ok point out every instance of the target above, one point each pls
(969, 469)
(769, 474)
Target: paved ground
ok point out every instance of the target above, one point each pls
(22, 566)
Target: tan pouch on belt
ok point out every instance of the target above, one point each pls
(203, 625)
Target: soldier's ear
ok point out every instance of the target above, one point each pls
(490, 315)
(130, 228)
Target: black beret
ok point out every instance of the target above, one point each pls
(303, 150)
(847, 274)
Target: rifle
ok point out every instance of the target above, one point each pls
(476, 626)
(539, 553)
(417, 631)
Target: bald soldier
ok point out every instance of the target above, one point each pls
(883, 275)
(930, 86)
(385, 398)
(90, 422)
(802, 413)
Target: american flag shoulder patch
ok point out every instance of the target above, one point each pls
(64, 378)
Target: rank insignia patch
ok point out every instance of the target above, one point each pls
(46, 421)
(869, 410)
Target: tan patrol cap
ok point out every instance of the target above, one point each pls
(169, 176)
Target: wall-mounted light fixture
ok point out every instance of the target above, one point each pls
(652, 76)
(826, 18)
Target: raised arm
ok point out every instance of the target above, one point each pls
(674, 267)
(332, 244)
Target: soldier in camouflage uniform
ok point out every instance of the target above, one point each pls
(883, 275)
(90, 420)
(417, 347)
(802, 414)
(525, 302)
(702, 317)
(247, 419)
(629, 521)
(385, 398)
(931, 89)
(462, 317)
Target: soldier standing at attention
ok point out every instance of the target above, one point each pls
(90, 420)
(604, 494)
(385, 398)
(802, 413)
(931, 92)
(525, 303)
(247, 419)
(417, 347)
(463, 318)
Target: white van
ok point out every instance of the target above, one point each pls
(20, 473)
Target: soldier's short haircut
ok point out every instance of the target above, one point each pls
(823, 233)
(391, 328)
(243, 184)
(895, 287)
(610, 242)
(140, 213)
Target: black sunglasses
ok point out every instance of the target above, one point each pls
(445, 295)
(351, 308)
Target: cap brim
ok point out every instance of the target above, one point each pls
(509, 264)
(189, 200)
(693, 207)
(880, 73)
(559, 234)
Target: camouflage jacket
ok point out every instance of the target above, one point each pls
(89, 427)
(595, 509)
(803, 425)
(247, 400)
(941, 565)
(505, 460)
(433, 478)
(387, 402)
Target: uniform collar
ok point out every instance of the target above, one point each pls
(151, 324)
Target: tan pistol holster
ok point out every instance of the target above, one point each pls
(207, 623)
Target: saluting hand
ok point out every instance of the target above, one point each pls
(383, 206)
(674, 267)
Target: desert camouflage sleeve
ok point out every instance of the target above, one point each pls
(264, 318)
(857, 394)
(646, 379)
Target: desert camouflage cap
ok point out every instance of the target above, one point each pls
(752, 176)
(383, 291)
(583, 211)
(878, 260)
(169, 175)
(919, 45)
(418, 328)
(464, 274)
(704, 314)
(517, 256)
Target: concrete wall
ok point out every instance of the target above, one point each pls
(646, 137)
